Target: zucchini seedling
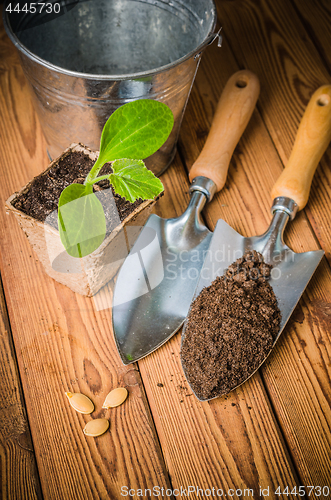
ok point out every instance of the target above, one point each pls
(133, 132)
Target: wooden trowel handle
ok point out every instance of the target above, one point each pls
(313, 137)
(233, 112)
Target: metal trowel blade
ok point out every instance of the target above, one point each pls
(290, 274)
(156, 283)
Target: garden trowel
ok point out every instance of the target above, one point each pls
(291, 271)
(156, 283)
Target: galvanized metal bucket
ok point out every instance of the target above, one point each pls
(86, 58)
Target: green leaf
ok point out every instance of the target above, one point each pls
(132, 180)
(82, 223)
(135, 130)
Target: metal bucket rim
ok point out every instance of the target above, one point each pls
(89, 76)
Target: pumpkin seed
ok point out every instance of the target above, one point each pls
(96, 427)
(115, 398)
(80, 402)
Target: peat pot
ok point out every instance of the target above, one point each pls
(83, 59)
(89, 274)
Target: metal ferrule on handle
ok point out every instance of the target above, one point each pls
(284, 204)
(283, 210)
(190, 224)
(204, 185)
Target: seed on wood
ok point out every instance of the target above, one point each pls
(96, 427)
(115, 398)
(80, 402)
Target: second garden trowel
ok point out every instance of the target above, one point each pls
(156, 283)
(291, 271)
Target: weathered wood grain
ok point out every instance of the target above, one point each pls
(19, 475)
(269, 38)
(316, 19)
(63, 343)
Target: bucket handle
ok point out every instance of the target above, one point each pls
(217, 35)
(211, 38)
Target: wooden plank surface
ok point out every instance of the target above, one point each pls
(269, 38)
(275, 429)
(316, 19)
(17, 458)
(63, 344)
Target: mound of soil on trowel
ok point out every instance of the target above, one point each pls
(231, 328)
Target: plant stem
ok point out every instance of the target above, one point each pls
(97, 179)
(90, 179)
